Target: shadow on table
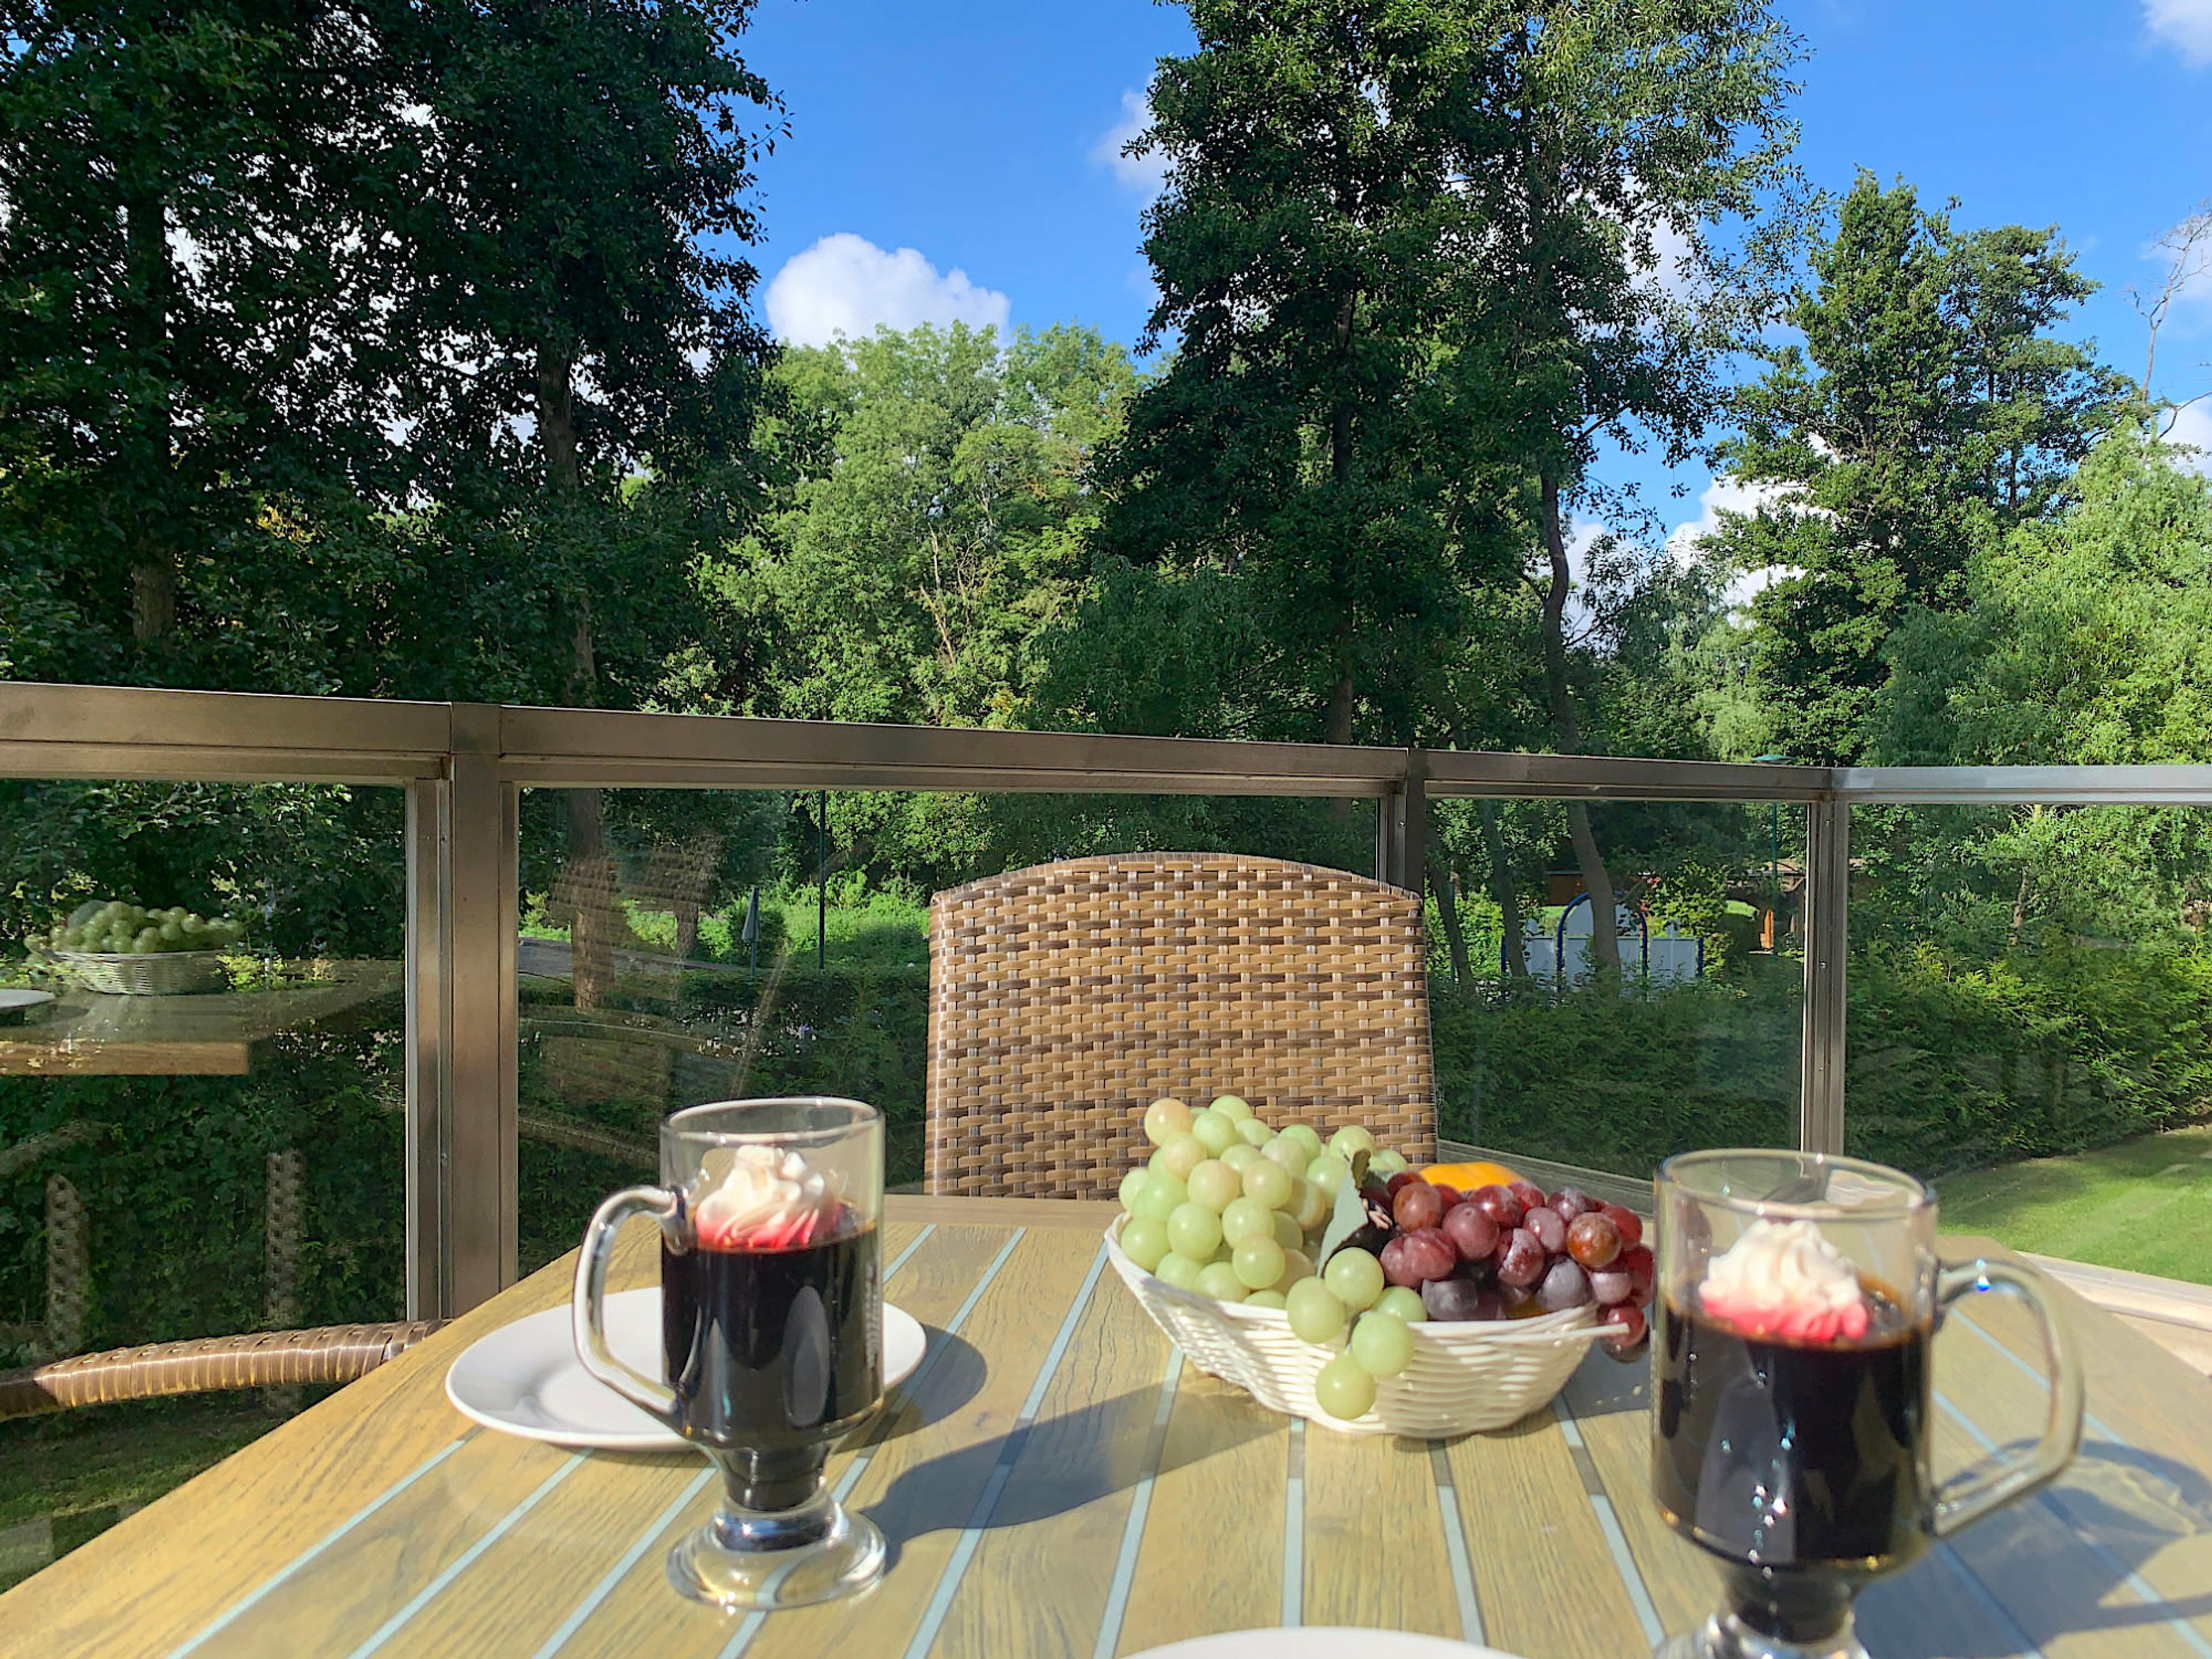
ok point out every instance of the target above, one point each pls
(2077, 1544)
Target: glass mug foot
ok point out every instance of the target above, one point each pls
(1725, 1635)
(754, 1561)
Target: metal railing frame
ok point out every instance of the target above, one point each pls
(463, 767)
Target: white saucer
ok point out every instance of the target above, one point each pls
(1321, 1642)
(524, 1379)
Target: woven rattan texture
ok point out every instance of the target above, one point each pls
(1064, 997)
(332, 1353)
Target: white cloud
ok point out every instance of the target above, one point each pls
(1147, 175)
(1729, 494)
(845, 284)
(2184, 23)
(2193, 426)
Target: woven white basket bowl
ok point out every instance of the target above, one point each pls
(1466, 1376)
(157, 974)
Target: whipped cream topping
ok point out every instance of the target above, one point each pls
(1783, 1278)
(767, 1199)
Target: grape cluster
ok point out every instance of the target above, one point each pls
(112, 927)
(1501, 1251)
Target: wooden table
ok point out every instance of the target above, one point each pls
(1053, 1481)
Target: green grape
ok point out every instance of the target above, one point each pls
(1309, 1204)
(1145, 1240)
(1213, 1184)
(1195, 1231)
(1180, 1154)
(1269, 1182)
(1179, 1270)
(1259, 1263)
(1225, 1251)
(1247, 1217)
(1265, 1299)
(149, 941)
(1349, 1139)
(1162, 1196)
(1235, 1107)
(1404, 1302)
(1255, 1133)
(1132, 1184)
(1165, 1120)
(1287, 1233)
(1355, 1276)
(1213, 1131)
(192, 924)
(172, 935)
(1344, 1389)
(1329, 1173)
(1297, 1265)
(1316, 1312)
(1287, 1153)
(1385, 1163)
(1305, 1137)
(1382, 1343)
(1239, 1156)
(137, 915)
(1219, 1280)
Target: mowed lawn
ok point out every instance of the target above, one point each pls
(2144, 1204)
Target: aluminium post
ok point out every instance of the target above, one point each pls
(1402, 823)
(429, 975)
(1825, 904)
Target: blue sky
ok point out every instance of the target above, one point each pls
(952, 160)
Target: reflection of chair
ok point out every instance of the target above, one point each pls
(337, 1353)
(1064, 997)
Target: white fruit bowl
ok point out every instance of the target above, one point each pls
(1466, 1376)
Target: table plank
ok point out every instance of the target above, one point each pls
(1047, 1489)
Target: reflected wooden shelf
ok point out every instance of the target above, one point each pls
(87, 1033)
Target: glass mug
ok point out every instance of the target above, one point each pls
(771, 1312)
(1797, 1300)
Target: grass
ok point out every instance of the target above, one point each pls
(80, 1471)
(2145, 1205)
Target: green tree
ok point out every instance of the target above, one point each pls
(1927, 410)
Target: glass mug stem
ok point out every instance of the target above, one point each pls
(1971, 1495)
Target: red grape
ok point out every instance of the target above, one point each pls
(1624, 1327)
(1593, 1240)
(1395, 1267)
(1563, 1285)
(1399, 1182)
(1551, 1232)
(1572, 1201)
(1630, 1223)
(1520, 1259)
(1510, 1296)
(1454, 1299)
(1429, 1254)
(1636, 1261)
(1446, 1191)
(1473, 1234)
(1611, 1284)
(1416, 1205)
(1528, 1192)
(1498, 1204)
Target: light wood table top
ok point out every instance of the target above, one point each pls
(1054, 1481)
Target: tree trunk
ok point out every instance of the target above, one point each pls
(1507, 892)
(687, 928)
(590, 873)
(153, 556)
(1442, 885)
(1597, 882)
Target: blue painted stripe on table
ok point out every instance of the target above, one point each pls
(246, 1603)
(2091, 1418)
(422, 1598)
(1608, 1522)
(749, 1626)
(1462, 1568)
(913, 1244)
(1993, 1609)
(584, 1610)
(2050, 1499)
(1140, 1506)
(948, 1583)
(1294, 1528)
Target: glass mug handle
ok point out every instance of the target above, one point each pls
(1968, 1497)
(587, 1308)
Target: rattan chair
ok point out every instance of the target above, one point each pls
(1063, 999)
(334, 1353)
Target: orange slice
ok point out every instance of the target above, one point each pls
(1467, 1176)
